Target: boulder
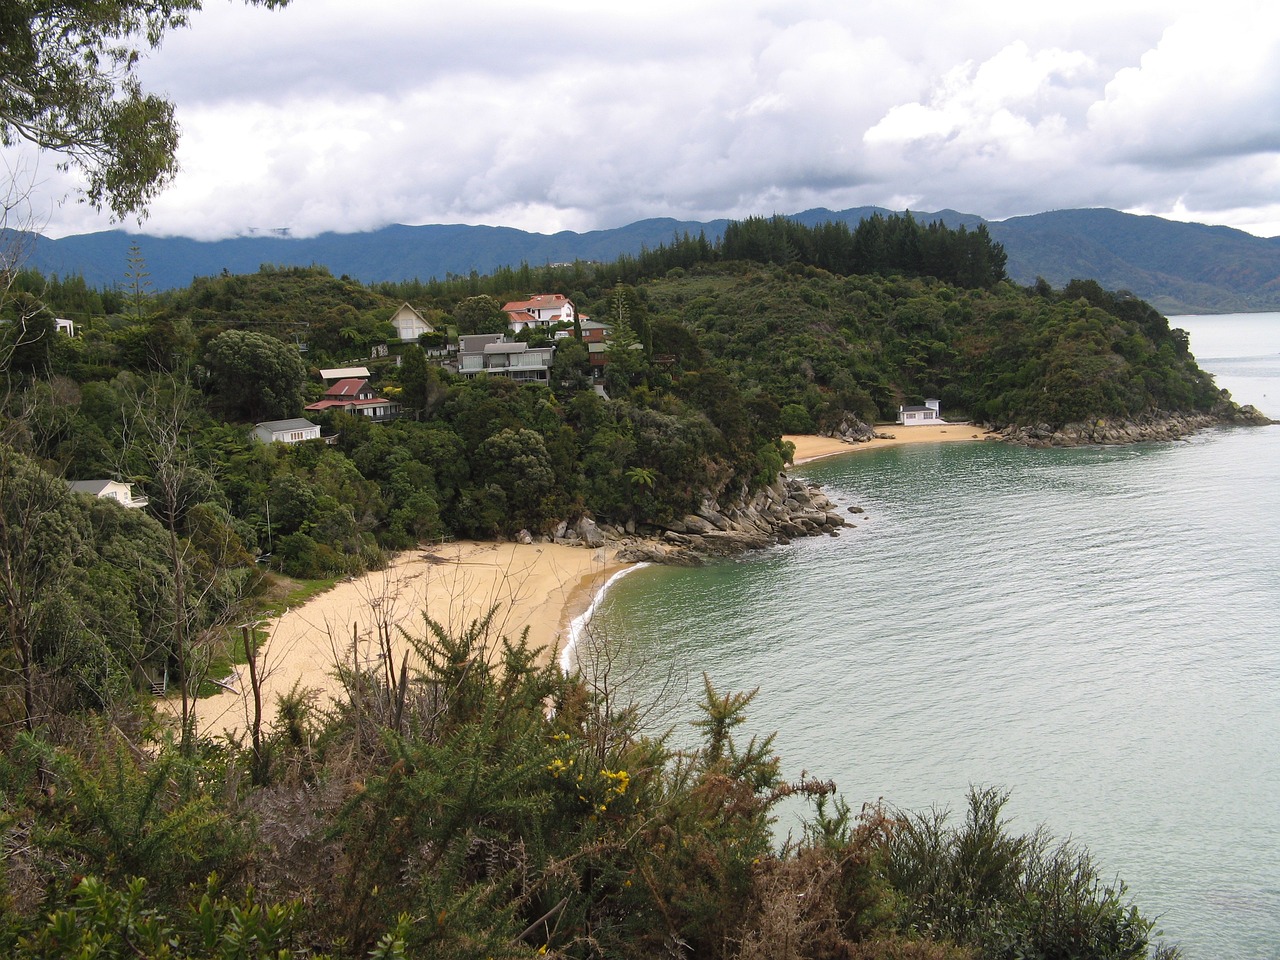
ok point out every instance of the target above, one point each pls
(589, 532)
(695, 524)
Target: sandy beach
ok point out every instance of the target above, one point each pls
(541, 586)
(809, 447)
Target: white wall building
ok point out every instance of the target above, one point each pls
(287, 431)
(121, 493)
(409, 323)
(544, 310)
(920, 416)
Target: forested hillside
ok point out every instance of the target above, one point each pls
(450, 813)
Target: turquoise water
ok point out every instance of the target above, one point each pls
(1096, 630)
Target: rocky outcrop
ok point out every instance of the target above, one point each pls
(1247, 416)
(786, 509)
(853, 430)
(1155, 426)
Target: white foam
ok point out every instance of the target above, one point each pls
(580, 622)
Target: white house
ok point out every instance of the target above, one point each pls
(409, 323)
(286, 431)
(64, 326)
(544, 310)
(121, 493)
(920, 416)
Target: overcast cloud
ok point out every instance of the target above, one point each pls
(581, 115)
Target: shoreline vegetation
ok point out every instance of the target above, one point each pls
(543, 587)
(548, 589)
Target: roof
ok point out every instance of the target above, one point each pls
(542, 301)
(91, 486)
(518, 347)
(475, 342)
(349, 387)
(522, 316)
(342, 373)
(296, 423)
(331, 404)
(917, 409)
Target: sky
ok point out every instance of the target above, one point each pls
(330, 115)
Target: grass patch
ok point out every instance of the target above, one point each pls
(274, 595)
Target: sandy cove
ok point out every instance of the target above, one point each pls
(809, 447)
(541, 586)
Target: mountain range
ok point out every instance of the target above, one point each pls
(1177, 267)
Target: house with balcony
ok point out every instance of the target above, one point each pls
(495, 355)
(121, 493)
(354, 395)
(539, 313)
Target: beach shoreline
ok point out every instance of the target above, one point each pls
(539, 586)
(810, 447)
(544, 587)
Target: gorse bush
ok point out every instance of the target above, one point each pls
(1005, 895)
(483, 804)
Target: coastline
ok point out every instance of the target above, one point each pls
(810, 447)
(541, 586)
(594, 589)
(549, 588)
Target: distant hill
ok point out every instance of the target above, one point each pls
(1178, 267)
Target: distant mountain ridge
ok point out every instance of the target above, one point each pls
(1177, 267)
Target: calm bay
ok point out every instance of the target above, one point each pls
(1096, 630)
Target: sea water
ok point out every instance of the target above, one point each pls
(1095, 630)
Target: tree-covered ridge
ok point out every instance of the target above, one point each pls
(877, 245)
(713, 360)
(1177, 267)
(822, 346)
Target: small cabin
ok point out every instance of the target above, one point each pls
(287, 431)
(920, 416)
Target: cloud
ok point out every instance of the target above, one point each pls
(570, 114)
(1207, 90)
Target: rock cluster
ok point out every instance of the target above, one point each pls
(786, 509)
(1155, 426)
(851, 430)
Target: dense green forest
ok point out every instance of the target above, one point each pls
(451, 813)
